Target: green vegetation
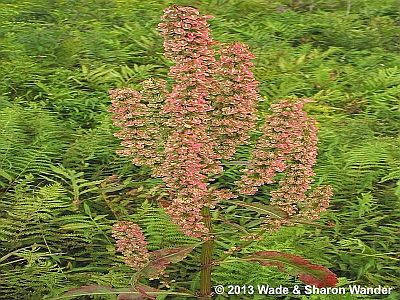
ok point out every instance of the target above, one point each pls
(62, 186)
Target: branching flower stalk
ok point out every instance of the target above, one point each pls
(184, 132)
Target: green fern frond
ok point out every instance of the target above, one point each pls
(158, 228)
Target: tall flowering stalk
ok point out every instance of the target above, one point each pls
(183, 133)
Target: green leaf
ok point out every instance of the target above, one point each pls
(76, 226)
(87, 209)
(5, 175)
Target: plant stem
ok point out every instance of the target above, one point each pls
(206, 258)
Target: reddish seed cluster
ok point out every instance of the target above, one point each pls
(130, 241)
(289, 145)
(283, 141)
(200, 135)
(138, 116)
(186, 35)
(299, 148)
(211, 108)
(181, 138)
(190, 156)
(234, 113)
(318, 202)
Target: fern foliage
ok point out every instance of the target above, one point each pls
(62, 185)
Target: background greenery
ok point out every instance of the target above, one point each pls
(59, 58)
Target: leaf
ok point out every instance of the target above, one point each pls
(89, 290)
(142, 289)
(392, 175)
(76, 226)
(160, 259)
(5, 175)
(230, 208)
(254, 223)
(264, 209)
(139, 292)
(307, 272)
(86, 208)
